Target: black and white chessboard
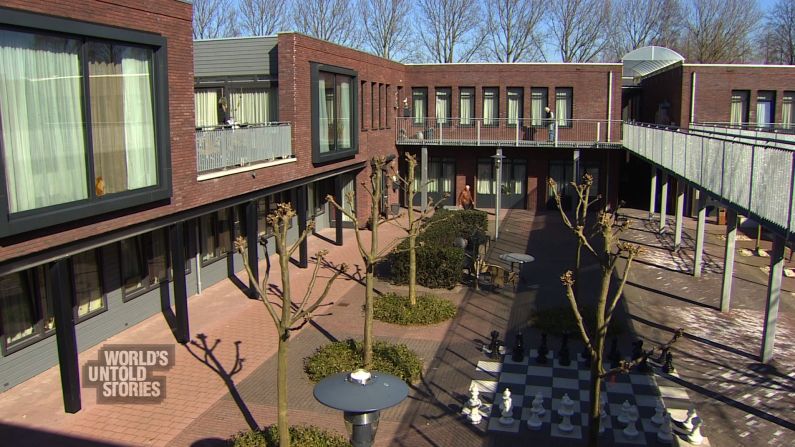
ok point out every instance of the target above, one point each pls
(527, 378)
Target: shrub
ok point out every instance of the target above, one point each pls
(437, 266)
(300, 436)
(430, 309)
(346, 355)
(557, 320)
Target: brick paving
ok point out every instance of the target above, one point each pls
(741, 401)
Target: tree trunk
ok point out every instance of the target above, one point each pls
(281, 386)
(596, 362)
(368, 320)
(413, 269)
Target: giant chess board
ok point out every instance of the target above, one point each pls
(526, 379)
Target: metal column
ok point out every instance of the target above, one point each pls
(728, 264)
(680, 207)
(653, 195)
(339, 194)
(423, 178)
(702, 217)
(663, 201)
(252, 240)
(302, 248)
(176, 240)
(59, 287)
(773, 299)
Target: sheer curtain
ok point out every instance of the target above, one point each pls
(139, 119)
(433, 176)
(42, 123)
(441, 107)
(489, 108)
(514, 99)
(419, 107)
(563, 107)
(485, 183)
(466, 108)
(786, 110)
(250, 106)
(88, 293)
(448, 175)
(344, 115)
(325, 109)
(737, 108)
(206, 102)
(537, 99)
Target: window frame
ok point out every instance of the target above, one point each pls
(471, 92)
(216, 224)
(767, 97)
(494, 121)
(568, 123)
(93, 205)
(102, 289)
(539, 121)
(128, 296)
(424, 92)
(788, 102)
(519, 91)
(447, 94)
(319, 157)
(38, 307)
(363, 103)
(746, 112)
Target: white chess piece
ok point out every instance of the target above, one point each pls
(695, 437)
(664, 434)
(687, 424)
(474, 396)
(631, 429)
(658, 414)
(534, 422)
(507, 408)
(623, 416)
(538, 405)
(565, 411)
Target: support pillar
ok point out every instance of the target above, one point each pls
(680, 208)
(728, 263)
(653, 195)
(340, 195)
(575, 172)
(252, 239)
(303, 246)
(773, 299)
(702, 217)
(58, 287)
(423, 178)
(176, 240)
(663, 201)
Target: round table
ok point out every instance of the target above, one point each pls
(517, 258)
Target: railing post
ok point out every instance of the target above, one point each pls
(478, 125)
(598, 130)
(517, 132)
(441, 126)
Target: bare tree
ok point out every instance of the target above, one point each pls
(450, 30)
(639, 23)
(262, 17)
(514, 29)
(780, 37)
(331, 20)
(719, 31)
(386, 27)
(287, 315)
(214, 18)
(579, 28)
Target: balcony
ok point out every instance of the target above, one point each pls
(224, 147)
(576, 133)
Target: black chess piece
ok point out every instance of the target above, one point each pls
(586, 356)
(494, 344)
(542, 350)
(615, 355)
(518, 348)
(563, 355)
(663, 355)
(668, 366)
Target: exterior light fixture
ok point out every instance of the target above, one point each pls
(498, 157)
(361, 396)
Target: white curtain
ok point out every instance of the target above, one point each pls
(513, 107)
(518, 178)
(441, 107)
(764, 110)
(786, 111)
(448, 175)
(88, 293)
(419, 108)
(344, 116)
(40, 103)
(562, 107)
(489, 108)
(537, 103)
(250, 106)
(433, 176)
(325, 109)
(466, 108)
(485, 183)
(206, 102)
(139, 120)
(738, 106)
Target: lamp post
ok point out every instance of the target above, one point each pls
(361, 396)
(498, 164)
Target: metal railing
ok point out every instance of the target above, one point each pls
(507, 132)
(778, 134)
(756, 177)
(229, 146)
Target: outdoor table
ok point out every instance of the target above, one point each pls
(517, 258)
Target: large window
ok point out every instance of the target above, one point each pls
(84, 121)
(443, 106)
(419, 102)
(144, 262)
(738, 114)
(26, 312)
(515, 99)
(334, 113)
(467, 105)
(88, 294)
(563, 106)
(765, 109)
(787, 119)
(251, 105)
(216, 235)
(209, 106)
(538, 101)
(491, 110)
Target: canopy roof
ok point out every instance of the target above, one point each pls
(647, 60)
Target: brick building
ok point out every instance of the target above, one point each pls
(128, 175)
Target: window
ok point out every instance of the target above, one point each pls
(538, 101)
(267, 205)
(209, 107)
(381, 107)
(333, 115)
(593, 169)
(563, 174)
(251, 105)
(145, 262)
(563, 106)
(216, 236)
(443, 105)
(363, 104)
(87, 276)
(491, 109)
(787, 120)
(316, 197)
(485, 182)
(515, 97)
(83, 118)
(26, 312)
(419, 102)
(765, 109)
(387, 106)
(738, 114)
(373, 107)
(467, 105)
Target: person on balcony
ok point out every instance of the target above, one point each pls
(549, 117)
(465, 200)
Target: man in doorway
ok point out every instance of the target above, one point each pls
(465, 200)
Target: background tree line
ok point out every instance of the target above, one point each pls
(704, 31)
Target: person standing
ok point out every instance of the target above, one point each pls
(549, 116)
(465, 200)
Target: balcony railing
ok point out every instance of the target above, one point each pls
(507, 132)
(230, 146)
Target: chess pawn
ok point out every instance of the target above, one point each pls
(695, 437)
(631, 430)
(538, 405)
(658, 414)
(474, 396)
(623, 416)
(507, 408)
(687, 424)
(664, 434)
(534, 421)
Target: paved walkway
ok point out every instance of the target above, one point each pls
(742, 402)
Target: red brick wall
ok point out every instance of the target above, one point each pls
(664, 87)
